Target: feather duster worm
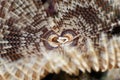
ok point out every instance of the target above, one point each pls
(35, 42)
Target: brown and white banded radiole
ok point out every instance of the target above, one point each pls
(38, 38)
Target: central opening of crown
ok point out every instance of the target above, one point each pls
(52, 40)
(62, 40)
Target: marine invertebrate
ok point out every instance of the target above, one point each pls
(34, 42)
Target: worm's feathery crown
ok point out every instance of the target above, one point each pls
(38, 38)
